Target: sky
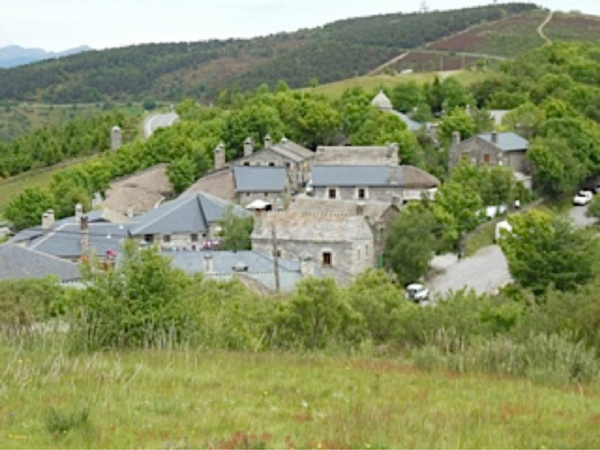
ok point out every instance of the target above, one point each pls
(57, 25)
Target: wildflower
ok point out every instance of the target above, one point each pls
(266, 393)
(304, 404)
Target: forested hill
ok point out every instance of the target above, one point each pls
(171, 71)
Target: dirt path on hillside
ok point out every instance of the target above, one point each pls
(388, 63)
(540, 29)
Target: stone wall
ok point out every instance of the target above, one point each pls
(475, 150)
(382, 194)
(245, 198)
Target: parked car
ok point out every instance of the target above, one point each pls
(503, 225)
(417, 292)
(582, 198)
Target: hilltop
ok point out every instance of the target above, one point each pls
(333, 52)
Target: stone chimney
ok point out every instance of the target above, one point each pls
(48, 219)
(84, 229)
(360, 208)
(115, 138)
(208, 264)
(268, 141)
(456, 138)
(248, 147)
(397, 201)
(219, 153)
(494, 137)
(394, 174)
(78, 212)
(307, 265)
(130, 212)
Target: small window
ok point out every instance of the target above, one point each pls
(247, 194)
(246, 163)
(149, 238)
(362, 194)
(167, 238)
(271, 164)
(194, 237)
(327, 258)
(266, 194)
(288, 165)
(358, 254)
(332, 193)
(486, 158)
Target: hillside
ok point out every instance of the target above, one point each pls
(333, 52)
(14, 55)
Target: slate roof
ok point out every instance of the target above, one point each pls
(260, 266)
(291, 150)
(20, 262)
(412, 125)
(259, 178)
(292, 226)
(187, 214)
(373, 209)
(507, 142)
(371, 176)
(64, 241)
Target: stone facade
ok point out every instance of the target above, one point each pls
(480, 152)
(356, 156)
(182, 241)
(374, 193)
(337, 241)
(274, 198)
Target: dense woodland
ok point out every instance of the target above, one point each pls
(173, 71)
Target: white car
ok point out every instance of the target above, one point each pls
(417, 292)
(582, 198)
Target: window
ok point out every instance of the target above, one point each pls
(266, 194)
(486, 158)
(327, 258)
(332, 193)
(149, 238)
(271, 164)
(362, 193)
(167, 238)
(288, 165)
(358, 255)
(246, 163)
(194, 237)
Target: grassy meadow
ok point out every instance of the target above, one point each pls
(371, 83)
(190, 399)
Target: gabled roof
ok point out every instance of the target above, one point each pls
(187, 214)
(349, 176)
(294, 148)
(20, 262)
(507, 142)
(259, 178)
(411, 125)
(65, 240)
(261, 267)
(291, 226)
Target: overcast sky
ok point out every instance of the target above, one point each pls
(61, 24)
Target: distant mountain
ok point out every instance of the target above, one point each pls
(13, 55)
(336, 51)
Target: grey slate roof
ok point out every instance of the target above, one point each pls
(187, 214)
(412, 125)
(259, 178)
(350, 176)
(507, 142)
(20, 262)
(260, 266)
(65, 240)
(292, 147)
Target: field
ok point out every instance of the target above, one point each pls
(572, 27)
(372, 83)
(189, 399)
(506, 37)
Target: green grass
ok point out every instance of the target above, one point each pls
(372, 83)
(481, 237)
(181, 399)
(41, 178)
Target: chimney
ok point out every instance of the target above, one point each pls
(456, 138)
(45, 222)
(130, 212)
(307, 266)
(85, 235)
(268, 141)
(360, 209)
(219, 153)
(393, 174)
(494, 137)
(115, 138)
(78, 212)
(248, 147)
(208, 264)
(397, 201)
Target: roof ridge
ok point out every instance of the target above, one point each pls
(175, 208)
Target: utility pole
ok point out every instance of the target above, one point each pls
(275, 258)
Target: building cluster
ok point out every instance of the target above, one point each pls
(316, 213)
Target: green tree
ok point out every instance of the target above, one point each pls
(458, 120)
(181, 173)
(26, 209)
(407, 96)
(235, 231)
(525, 120)
(545, 250)
(411, 244)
